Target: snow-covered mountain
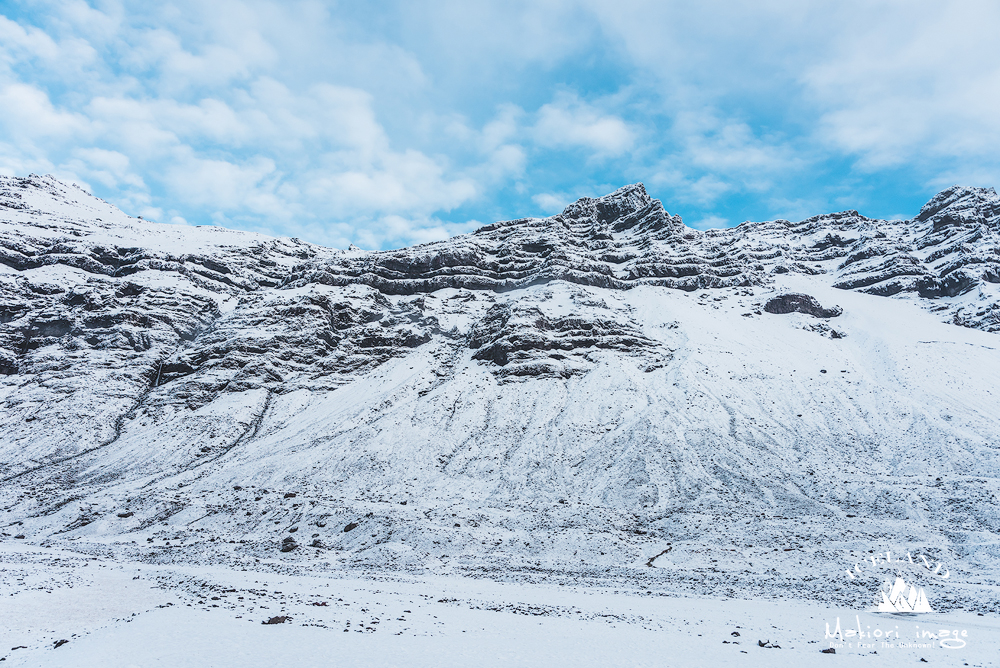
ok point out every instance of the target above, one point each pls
(601, 393)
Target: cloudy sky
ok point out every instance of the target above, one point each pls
(386, 123)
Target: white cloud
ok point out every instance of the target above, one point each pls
(503, 128)
(13, 162)
(913, 83)
(308, 117)
(797, 209)
(730, 147)
(551, 203)
(393, 231)
(346, 164)
(222, 184)
(507, 159)
(110, 168)
(407, 181)
(716, 157)
(131, 126)
(570, 122)
(209, 119)
(703, 190)
(20, 42)
(28, 113)
(709, 223)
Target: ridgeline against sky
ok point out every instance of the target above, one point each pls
(391, 123)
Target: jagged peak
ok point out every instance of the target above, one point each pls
(42, 188)
(971, 200)
(44, 182)
(627, 199)
(632, 197)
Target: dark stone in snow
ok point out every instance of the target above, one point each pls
(952, 285)
(794, 302)
(281, 619)
(350, 527)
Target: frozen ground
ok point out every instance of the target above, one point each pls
(130, 614)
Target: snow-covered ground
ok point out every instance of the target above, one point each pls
(116, 614)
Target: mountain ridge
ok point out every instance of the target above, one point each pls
(571, 394)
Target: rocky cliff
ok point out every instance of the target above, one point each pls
(574, 394)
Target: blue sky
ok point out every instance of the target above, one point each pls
(390, 123)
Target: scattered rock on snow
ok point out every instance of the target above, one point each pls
(794, 302)
(280, 619)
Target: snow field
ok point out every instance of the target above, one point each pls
(197, 616)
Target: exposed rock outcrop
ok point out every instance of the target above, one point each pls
(793, 302)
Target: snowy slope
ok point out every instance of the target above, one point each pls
(565, 397)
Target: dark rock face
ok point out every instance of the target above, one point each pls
(946, 251)
(961, 206)
(953, 284)
(525, 342)
(579, 246)
(799, 303)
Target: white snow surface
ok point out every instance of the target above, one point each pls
(115, 614)
(582, 440)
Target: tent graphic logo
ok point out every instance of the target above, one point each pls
(902, 597)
